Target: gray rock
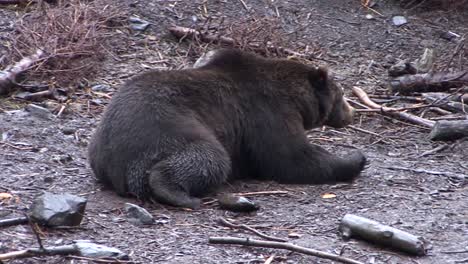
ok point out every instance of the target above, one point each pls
(138, 215)
(426, 62)
(402, 67)
(399, 20)
(92, 250)
(236, 203)
(101, 88)
(58, 209)
(39, 111)
(138, 24)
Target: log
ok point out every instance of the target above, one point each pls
(428, 82)
(14, 221)
(9, 75)
(447, 102)
(449, 130)
(370, 230)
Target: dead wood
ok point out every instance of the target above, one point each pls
(452, 175)
(225, 222)
(447, 102)
(364, 98)
(428, 82)
(281, 245)
(449, 130)
(356, 226)
(14, 221)
(9, 75)
(49, 251)
(183, 32)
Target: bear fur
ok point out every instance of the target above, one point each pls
(176, 135)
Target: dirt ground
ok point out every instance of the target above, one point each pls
(39, 154)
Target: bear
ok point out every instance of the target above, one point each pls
(174, 136)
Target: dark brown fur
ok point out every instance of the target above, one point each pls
(175, 135)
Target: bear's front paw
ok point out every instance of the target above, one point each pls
(360, 160)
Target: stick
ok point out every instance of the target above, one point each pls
(25, 253)
(14, 221)
(435, 150)
(261, 193)
(183, 32)
(281, 245)
(363, 97)
(353, 225)
(449, 174)
(8, 76)
(225, 222)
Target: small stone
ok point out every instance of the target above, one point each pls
(236, 203)
(138, 215)
(39, 111)
(138, 24)
(370, 17)
(92, 250)
(101, 88)
(58, 209)
(48, 179)
(399, 20)
(68, 130)
(402, 67)
(425, 63)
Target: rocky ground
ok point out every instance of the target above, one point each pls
(48, 152)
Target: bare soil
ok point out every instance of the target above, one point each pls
(37, 154)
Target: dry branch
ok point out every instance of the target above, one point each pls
(183, 32)
(9, 75)
(225, 222)
(356, 226)
(364, 98)
(281, 245)
(428, 82)
(14, 221)
(26, 253)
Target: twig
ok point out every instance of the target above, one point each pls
(432, 151)
(455, 52)
(363, 97)
(270, 259)
(244, 5)
(35, 228)
(449, 174)
(225, 222)
(281, 245)
(261, 193)
(25, 253)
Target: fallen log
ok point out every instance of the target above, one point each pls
(428, 82)
(9, 75)
(373, 231)
(449, 130)
(449, 102)
(364, 98)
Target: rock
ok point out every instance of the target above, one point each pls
(401, 68)
(138, 24)
(68, 130)
(425, 63)
(399, 20)
(236, 203)
(138, 215)
(92, 250)
(101, 88)
(39, 111)
(449, 35)
(58, 209)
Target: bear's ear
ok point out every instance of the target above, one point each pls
(318, 78)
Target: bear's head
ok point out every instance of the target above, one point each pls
(333, 108)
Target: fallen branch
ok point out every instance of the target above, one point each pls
(428, 82)
(225, 222)
(30, 252)
(281, 245)
(261, 193)
(356, 226)
(183, 32)
(445, 173)
(364, 98)
(14, 221)
(8, 76)
(447, 102)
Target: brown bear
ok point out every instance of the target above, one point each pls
(176, 135)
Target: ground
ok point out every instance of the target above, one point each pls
(39, 154)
